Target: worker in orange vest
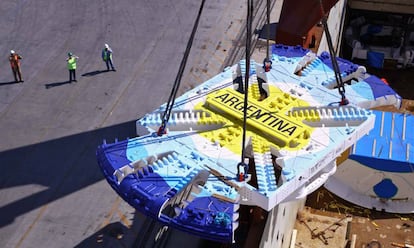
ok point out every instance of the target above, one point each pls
(14, 60)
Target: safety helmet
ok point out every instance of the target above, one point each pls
(106, 46)
(12, 52)
(70, 54)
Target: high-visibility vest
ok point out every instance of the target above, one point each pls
(72, 63)
(106, 54)
(14, 60)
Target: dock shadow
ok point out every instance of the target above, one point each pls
(8, 83)
(51, 85)
(93, 73)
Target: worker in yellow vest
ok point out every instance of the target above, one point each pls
(71, 63)
(107, 57)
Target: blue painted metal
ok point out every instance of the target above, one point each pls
(385, 189)
(289, 51)
(388, 146)
(346, 67)
(147, 191)
(378, 87)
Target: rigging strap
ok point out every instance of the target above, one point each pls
(171, 99)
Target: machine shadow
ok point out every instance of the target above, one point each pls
(62, 166)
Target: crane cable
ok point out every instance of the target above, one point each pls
(242, 175)
(339, 82)
(171, 99)
(267, 28)
(267, 63)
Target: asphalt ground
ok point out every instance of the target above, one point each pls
(52, 193)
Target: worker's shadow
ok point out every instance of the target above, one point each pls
(93, 73)
(51, 85)
(7, 83)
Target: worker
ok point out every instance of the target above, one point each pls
(267, 64)
(14, 60)
(263, 92)
(242, 170)
(71, 63)
(107, 57)
(408, 58)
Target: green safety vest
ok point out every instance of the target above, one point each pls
(105, 55)
(72, 63)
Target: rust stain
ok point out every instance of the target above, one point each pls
(29, 229)
(111, 212)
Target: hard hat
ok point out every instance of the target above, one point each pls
(12, 51)
(70, 54)
(106, 46)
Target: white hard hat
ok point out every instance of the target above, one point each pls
(12, 51)
(106, 46)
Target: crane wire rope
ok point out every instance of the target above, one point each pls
(249, 21)
(171, 99)
(267, 28)
(267, 62)
(338, 78)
